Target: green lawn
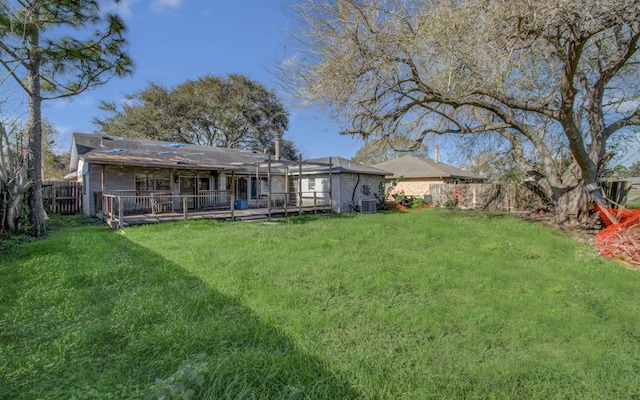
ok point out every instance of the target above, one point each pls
(430, 303)
(633, 199)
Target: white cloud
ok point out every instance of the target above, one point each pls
(159, 5)
(122, 8)
(127, 102)
(290, 61)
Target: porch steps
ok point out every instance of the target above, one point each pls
(252, 217)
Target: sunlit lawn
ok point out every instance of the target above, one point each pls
(633, 199)
(430, 303)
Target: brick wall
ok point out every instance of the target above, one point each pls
(414, 187)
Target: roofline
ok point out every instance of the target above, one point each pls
(248, 168)
(161, 165)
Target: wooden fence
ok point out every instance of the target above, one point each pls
(62, 197)
(485, 196)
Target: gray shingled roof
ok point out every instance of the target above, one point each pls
(340, 165)
(145, 152)
(417, 167)
(104, 149)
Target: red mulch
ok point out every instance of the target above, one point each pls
(621, 240)
(402, 208)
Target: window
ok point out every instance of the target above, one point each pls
(259, 188)
(142, 182)
(153, 181)
(312, 184)
(162, 183)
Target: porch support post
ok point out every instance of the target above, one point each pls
(120, 213)
(233, 205)
(330, 184)
(268, 185)
(286, 188)
(258, 189)
(300, 184)
(233, 193)
(103, 177)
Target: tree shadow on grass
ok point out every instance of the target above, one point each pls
(113, 320)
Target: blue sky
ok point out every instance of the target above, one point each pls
(172, 41)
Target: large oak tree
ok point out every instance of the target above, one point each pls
(232, 111)
(537, 74)
(54, 49)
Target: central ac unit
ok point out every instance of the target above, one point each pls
(367, 206)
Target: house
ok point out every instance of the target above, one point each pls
(149, 176)
(418, 173)
(115, 165)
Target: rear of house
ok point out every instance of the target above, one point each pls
(153, 176)
(354, 186)
(108, 164)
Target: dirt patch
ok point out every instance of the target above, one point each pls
(583, 233)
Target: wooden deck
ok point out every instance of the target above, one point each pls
(250, 214)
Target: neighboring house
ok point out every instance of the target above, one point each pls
(208, 177)
(418, 173)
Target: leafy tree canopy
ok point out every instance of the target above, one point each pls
(53, 49)
(210, 111)
(542, 77)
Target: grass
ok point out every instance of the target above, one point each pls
(633, 199)
(430, 303)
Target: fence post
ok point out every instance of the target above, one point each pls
(53, 199)
(474, 196)
(184, 206)
(315, 201)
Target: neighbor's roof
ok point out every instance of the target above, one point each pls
(341, 165)
(417, 167)
(106, 149)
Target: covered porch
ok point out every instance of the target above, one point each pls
(132, 207)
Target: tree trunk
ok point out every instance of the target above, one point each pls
(36, 204)
(571, 206)
(13, 208)
(37, 214)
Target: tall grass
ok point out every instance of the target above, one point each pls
(426, 304)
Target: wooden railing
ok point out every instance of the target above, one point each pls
(142, 201)
(116, 205)
(212, 199)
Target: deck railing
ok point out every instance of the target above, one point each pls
(116, 205)
(141, 201)
(212, 199)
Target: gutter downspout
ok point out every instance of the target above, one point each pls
(353, 196)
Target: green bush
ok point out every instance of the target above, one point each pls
(450, 204)
(416, 202)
